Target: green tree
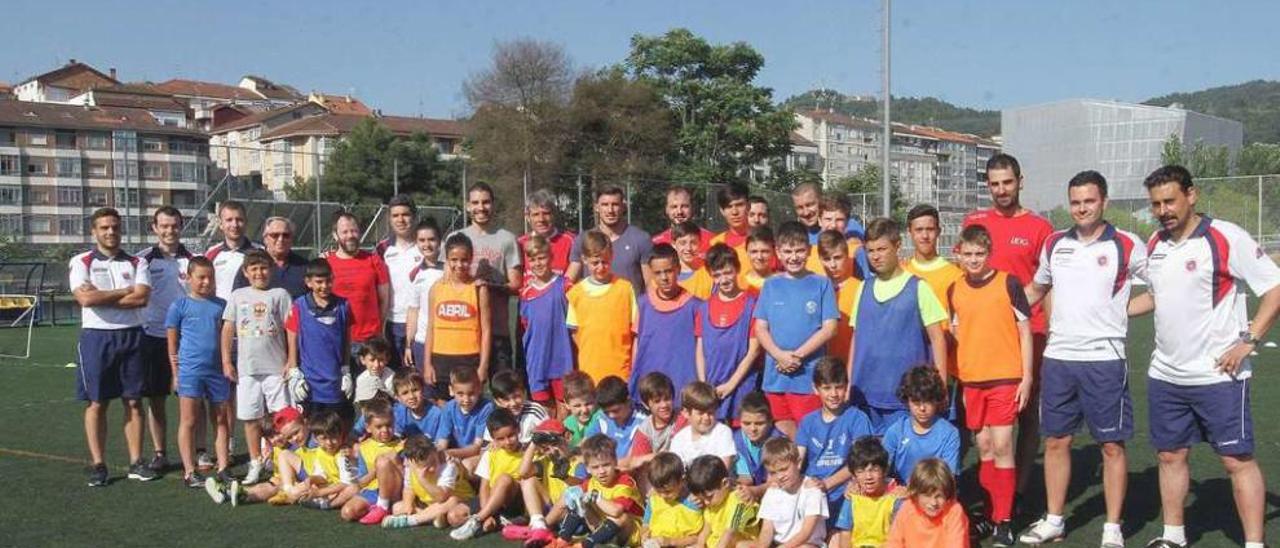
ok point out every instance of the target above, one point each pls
(868, 181)
(1203, 160)
(1171, 153)
(724, 123)
(1258, 159)
(365, 165)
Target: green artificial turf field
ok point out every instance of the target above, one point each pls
(46, 502)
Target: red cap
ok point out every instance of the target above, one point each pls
(285, 416)
(550, 426)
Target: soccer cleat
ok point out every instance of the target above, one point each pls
(396, 522)
(215, 490)
(374, 515)
(98, 475)
(139, 471)
(468, 530)
(516, 532)
(980, 528)
(539, 538)
(203, 460)
(1002, 536)
(315, 503)
(1043, 532)
(194, 480)
(1115, 540)
(235, 493)
(254, 474)
(159, 463)
(1162, 543)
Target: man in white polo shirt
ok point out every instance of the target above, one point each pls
(228, 255)
(1085, 375)
(1198, 383)
(400, 252)
(112, 288)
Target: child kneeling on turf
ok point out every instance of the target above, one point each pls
(498, 472)
(671, 519)
(792, 514)
(192, 325)
(436, 489)
(932, 518)
(378, 471)
(609, 506)
(756, 427)
(727, 518)
(871, 500)
(291, 435)
(326, 479)
(549, 468)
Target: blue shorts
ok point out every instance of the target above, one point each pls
(1096, 392)
(110, 364)
(370, 496)
(882, 417)
(158, 378)
(204, 386)
(1217, 413)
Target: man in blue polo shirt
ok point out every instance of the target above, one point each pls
(112, 288)
(290, 268)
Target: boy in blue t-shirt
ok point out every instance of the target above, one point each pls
(796, 316)
(318, 346)
(460, 433)
(413, 414)
(755, 426)
(620, 420)
(825, 436)
(192, 325)
(547, 343)
(920, 435)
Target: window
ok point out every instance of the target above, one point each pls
(65, 139)
(70, 226)
(98, 197)
(152, 171)
(39, 225)
(152, 145)
(179, 146)
(68, 167)
(37, 168)
(11, 223)
(69, 195)
(38, 139)
(39, 196)
(125, 141)
(10, 195)
(6, 136)
(120, 169)
(183, 198)
(186, 172)
(98, 141)
(98, 169)
(155, 198)
(126, 197)
(10, 165)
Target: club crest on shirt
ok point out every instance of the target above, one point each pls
(1191, 265)
(127, 276)
(1102, 260)
(811, 307)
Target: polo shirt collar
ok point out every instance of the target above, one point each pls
(1108, 233)
(1199, 232)
(98, 255)
(155, 252)
(243, 245)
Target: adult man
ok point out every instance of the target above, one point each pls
(361, 278)
(805, 198)
(496, 263)
(112, 288)
(1085, 376)
(540, 211)
(228, 255)
(1198, 383)
(290, 268)
(680, 209)
(1017, 235)
(631, 246)
(757, 211)
(400, 253)
(167, 270)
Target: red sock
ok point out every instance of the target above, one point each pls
(986, 478)
(1005, 483)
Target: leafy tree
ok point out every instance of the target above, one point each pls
(1258, 159)
(868, 181)
(364, 166)
(724, 123)
(1201, 159)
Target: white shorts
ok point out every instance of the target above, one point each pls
(257, 395)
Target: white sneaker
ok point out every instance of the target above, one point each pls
(467, 530)
(203, 460)
(254, 473)
(215, 490)
(1115, 540)
(1043, 532)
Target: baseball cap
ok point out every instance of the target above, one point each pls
(285, 416)
(550, 426)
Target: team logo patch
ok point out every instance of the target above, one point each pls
(127, 276)
(1191, 265)
(455, 311)
(811, 307)
(1102, 260)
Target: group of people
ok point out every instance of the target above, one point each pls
(798, 384)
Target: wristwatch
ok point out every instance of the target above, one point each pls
(1248, 338)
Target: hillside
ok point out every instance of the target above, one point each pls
(912, 110)
(1256, 104)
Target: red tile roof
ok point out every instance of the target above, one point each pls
(212, 90)
(272, 90)
(341, 104)
(799, 140)
(258, 118)
(59, 116)
(74, 75)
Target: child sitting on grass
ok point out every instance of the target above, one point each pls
(932, 518)
(436, 490)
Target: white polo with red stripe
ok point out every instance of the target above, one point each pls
(106, 274)
(400, 262)
(226, 264)
(1091, 283)
(1198, 285)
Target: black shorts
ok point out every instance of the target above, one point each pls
(157, 376)
(444, 364)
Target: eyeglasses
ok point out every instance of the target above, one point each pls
(279, 235)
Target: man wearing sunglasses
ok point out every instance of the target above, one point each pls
(277, 239)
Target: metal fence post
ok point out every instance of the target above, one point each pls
(578, 204)
(628, 201)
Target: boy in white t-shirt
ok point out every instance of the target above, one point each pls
(704, 435)
(375, 356)
(791, 514)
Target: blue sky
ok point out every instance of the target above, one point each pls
(412, 57)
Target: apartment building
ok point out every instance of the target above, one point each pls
(58, 163)
(63, 84)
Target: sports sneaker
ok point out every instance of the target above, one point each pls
(254, 474)
(374, 515)
(159, 463)
(1043, 532)
(235, 493)
(1159, 542)
(316, 503)
(467, 530)
(203, 460)
(98, 475)
(516, 532)
(1114, 540)
(215, 489)
(396, 522)
(539, 538)
(980, 528)
(194, 480)
(224, 477)
(1002, 536)
(139, 471)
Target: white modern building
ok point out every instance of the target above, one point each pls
(1123, 141)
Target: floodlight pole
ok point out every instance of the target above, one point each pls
(886, 181)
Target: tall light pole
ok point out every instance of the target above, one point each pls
(885, 178)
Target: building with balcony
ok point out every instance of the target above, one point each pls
(58, 163)
(1123, 141)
